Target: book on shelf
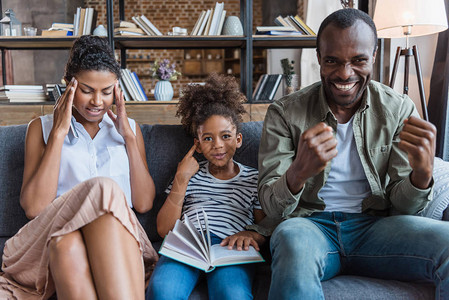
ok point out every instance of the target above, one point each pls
(144, 24)
(216, 18)
(23, 93)
(132, 87)
(140, 88)
(279, 20)
(304, 25)
(198, 23)
(128, 31)
(184, 243)
(203, 23)
(56, 33)
(149, 24)
(84, 21)
(267, 87)
(220, 26)
(298, 25)
(125, 24)
(124, 90)
(276, 30)
(209, 21)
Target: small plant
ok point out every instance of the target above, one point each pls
(287, 68)
(163, 70)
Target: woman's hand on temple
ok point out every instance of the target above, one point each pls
(121, 119)
(62, 111)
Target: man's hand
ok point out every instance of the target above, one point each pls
(243, 239)
(316, 148)
(418, 141)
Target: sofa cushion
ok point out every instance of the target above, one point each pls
(12, 216)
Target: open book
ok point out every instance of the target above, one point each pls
(185, 244)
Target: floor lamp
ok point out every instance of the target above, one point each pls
(409, 18)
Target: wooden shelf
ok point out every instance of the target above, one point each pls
(36, 42)
(179, 42)
(269, 41)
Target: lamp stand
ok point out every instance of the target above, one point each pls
(408, 52)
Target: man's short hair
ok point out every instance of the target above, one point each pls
(345, 18)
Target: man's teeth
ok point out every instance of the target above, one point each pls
(345, 87)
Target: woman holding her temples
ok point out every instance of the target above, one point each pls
(83, 241)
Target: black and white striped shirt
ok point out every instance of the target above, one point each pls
(229, 204)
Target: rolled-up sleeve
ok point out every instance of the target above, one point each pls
(276, 154)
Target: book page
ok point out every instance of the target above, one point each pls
(196, 235)
(172, 242)
(206, 224)
(183, 234)
(222, 256)
(203, 238)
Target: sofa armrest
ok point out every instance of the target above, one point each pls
(437, 208)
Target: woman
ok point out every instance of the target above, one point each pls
(83, 241)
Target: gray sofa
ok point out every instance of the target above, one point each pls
(166, 145)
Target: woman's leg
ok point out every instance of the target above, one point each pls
(115, 259)
(172, 280)
(69, 267)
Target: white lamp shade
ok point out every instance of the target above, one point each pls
(425, 17)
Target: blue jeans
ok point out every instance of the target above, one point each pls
(174, 280)
(306, 251)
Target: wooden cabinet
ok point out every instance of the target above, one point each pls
(202, 62)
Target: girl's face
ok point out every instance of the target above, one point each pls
(218, 140)
(94, 95)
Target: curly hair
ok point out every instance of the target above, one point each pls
(220, 95)
(88, 53)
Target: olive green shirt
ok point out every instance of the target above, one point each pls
(377, 124)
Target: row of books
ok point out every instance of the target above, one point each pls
(266, 87)
(83, 23)
(131, 86)
(23, 93)
(286, 26)
(210, 22)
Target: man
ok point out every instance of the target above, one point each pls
(335, 159)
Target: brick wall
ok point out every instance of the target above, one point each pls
(164, 15)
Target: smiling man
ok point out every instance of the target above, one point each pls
(335, 159)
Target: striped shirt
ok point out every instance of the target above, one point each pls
(229, 204)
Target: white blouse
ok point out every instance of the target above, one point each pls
(104, 155)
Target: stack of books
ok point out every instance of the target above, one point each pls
(266, 87)
(210, 22)
(296, 23)
(146, 25)
(127, 29)
(59, 29)
(84, 21)
(276, 30)
(131, 86)
(23, 93)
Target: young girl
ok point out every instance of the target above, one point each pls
(224, 188)
(83, 241)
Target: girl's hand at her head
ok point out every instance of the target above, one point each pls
(188, 166)
(121, 119)
(62, 111)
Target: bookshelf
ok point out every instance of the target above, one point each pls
(246, 44)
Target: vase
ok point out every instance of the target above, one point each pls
(163, 91)
(232, 26)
